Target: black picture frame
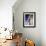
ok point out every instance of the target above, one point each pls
(29, 19)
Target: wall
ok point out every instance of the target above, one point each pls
(43, 22)
(6, 13)
(29, 33)
(31, 5)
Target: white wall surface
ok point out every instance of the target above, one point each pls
(38, 33)
(29, 33)
(43, 22)
(6, 13)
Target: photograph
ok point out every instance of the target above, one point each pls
(29, 19)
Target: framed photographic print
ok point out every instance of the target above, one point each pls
(29, 19)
